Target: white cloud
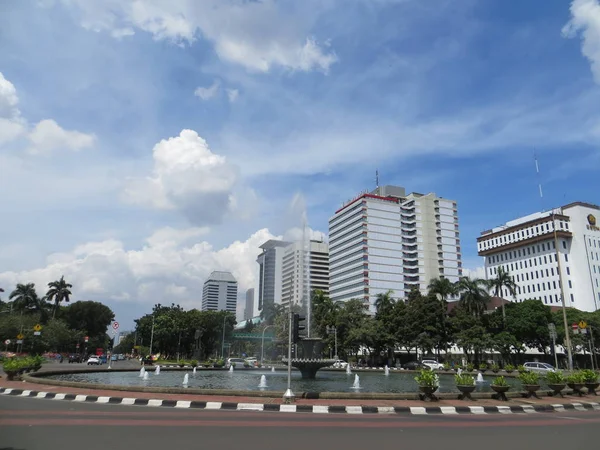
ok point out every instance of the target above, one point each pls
(188, 176)
(164, 268)
(257, 35)
(47, 135)
(585, 20)
(11, 123)
(206, 93)
(232, 95)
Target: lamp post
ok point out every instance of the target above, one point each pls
(152, 336)
(333, 329)
(262, 344)
(223, 339)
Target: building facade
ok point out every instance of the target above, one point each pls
(249, 309)
(220, 292)
(270, 263)
(529, 249)
(388, 240)
(305, 269)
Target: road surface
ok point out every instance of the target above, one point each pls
(35, 424)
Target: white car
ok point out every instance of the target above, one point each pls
(432, 364)
(93, 360)
(339, 364)
(538, 367)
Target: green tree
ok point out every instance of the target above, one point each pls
(270, 311)
(503, 280)
(473, 295)
(384, 326)
(26, 300)
(91, 317)
(442, 287)
(59, 291)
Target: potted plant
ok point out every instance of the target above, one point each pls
(521, 368)
(531, 383)
(219, 363)
(428, 382)
(36, 363)
(509, 368)
(495, 368)
(470, 367)
(591, 381)
(458, 367)
(576, 381)
(446, 366)
(465, 384)
(556, 382)
(483, 367)
(500, 387)
(194, 363)
(11, 367)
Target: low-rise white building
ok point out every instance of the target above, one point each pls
(527, 249)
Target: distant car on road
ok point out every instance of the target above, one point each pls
(237, 363)
(340, 364)
(539, 367)
(413, 365)
(432, 364)
(93, 361)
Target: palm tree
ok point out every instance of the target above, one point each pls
(25, 297)
(442, 287)
(59, 291)
(503, 280)
(473, 295)
(384, 303)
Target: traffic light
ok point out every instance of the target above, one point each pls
(296, 327)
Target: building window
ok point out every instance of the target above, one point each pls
(566, 257)
(572, 299)
(570, 285)
(547, 274)
(545, 260)
(568, 271)
(554, 284)
(564, 244)
(545, 299)
(529, 250)
(521, 264)
(552, 270)
(529, 289)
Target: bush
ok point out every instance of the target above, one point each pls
(576, 378)
(509, 368)
(194, 363)
(529, 378)
(555, 377)
(495, 368)
(470, 367)
(589, 376)
(521, 369)
(499, 381)
(427, 378)
(446, 366)
(464, 380)
(483, 366)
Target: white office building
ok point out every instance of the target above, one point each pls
(249, 309)
(270, 263)
(304, 262)
(220, 292)
(526, 248)
(387, 240)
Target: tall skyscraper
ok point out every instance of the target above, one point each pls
(249, 310)
(269, 276)
(527, 249)
(220, 292)
(304, 261)
(387, 240)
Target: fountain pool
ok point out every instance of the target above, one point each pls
(249, 380)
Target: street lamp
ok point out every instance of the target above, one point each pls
(223, 340)
(152, 336)
(333, 329)
(262, 344)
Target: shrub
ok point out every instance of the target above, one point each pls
(446, 366)
(483, 366)
(194, 363)
(470, 367)
(576, 378)
(589, 376)
(521, 368)
(529, 378)
(499, 381)
(509, 368)
(555, 377)
(427, 378)
(495, 368)
(464, 380)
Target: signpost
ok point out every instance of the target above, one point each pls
(6, 342)
(115, 325)
(552, 330)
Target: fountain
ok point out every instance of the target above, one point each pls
(348, 371)
(263, 382)
(273, 369)
(480, 378)
(186, 379)
(386, 370)
(194, 371)
(142, 372)
(145, 376)
(231, 369)
(157, 370)
(356, 384)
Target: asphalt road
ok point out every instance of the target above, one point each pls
(32, 424)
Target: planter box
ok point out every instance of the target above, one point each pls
(465, 392)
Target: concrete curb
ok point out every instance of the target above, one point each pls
(316, 409)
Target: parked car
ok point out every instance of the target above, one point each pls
(539, 367)
(432, 364)
(73, 359)
(237, 363)
(252, 361)
(339, 364)
(413, 365)
(93, 361)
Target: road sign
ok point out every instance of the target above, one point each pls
(38, 327)
(7, 342)
(37, 333)
(19, 341)
(20, 336)
(85, 339)
(582, 325)
(115, 325)
(575, 326)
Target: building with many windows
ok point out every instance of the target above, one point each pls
(529, 248)
(220, 292)
(249, 308)
(388, 240)
(270, 263)
(305, 269)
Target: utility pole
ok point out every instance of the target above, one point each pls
(552, 329)
(289, 396)
(152, 336)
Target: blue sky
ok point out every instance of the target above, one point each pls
(280, 99)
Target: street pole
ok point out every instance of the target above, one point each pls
(289, 396)
(592, 348)
(335, 339)
(262, 344)
(562, 296)
(223, 339)
(152, 336)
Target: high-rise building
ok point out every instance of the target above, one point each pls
(269, 276)
(527, 249)
(305, 268)
(249, 310)
(387, 240)
(220, 292)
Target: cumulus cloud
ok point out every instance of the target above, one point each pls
(585, 21)
(173, 264)
(256, 35)
(45, 136)
(232, 95)
(187, 176)
(206, 93)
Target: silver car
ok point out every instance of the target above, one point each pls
(538, 367)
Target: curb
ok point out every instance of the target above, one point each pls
(316, 409)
